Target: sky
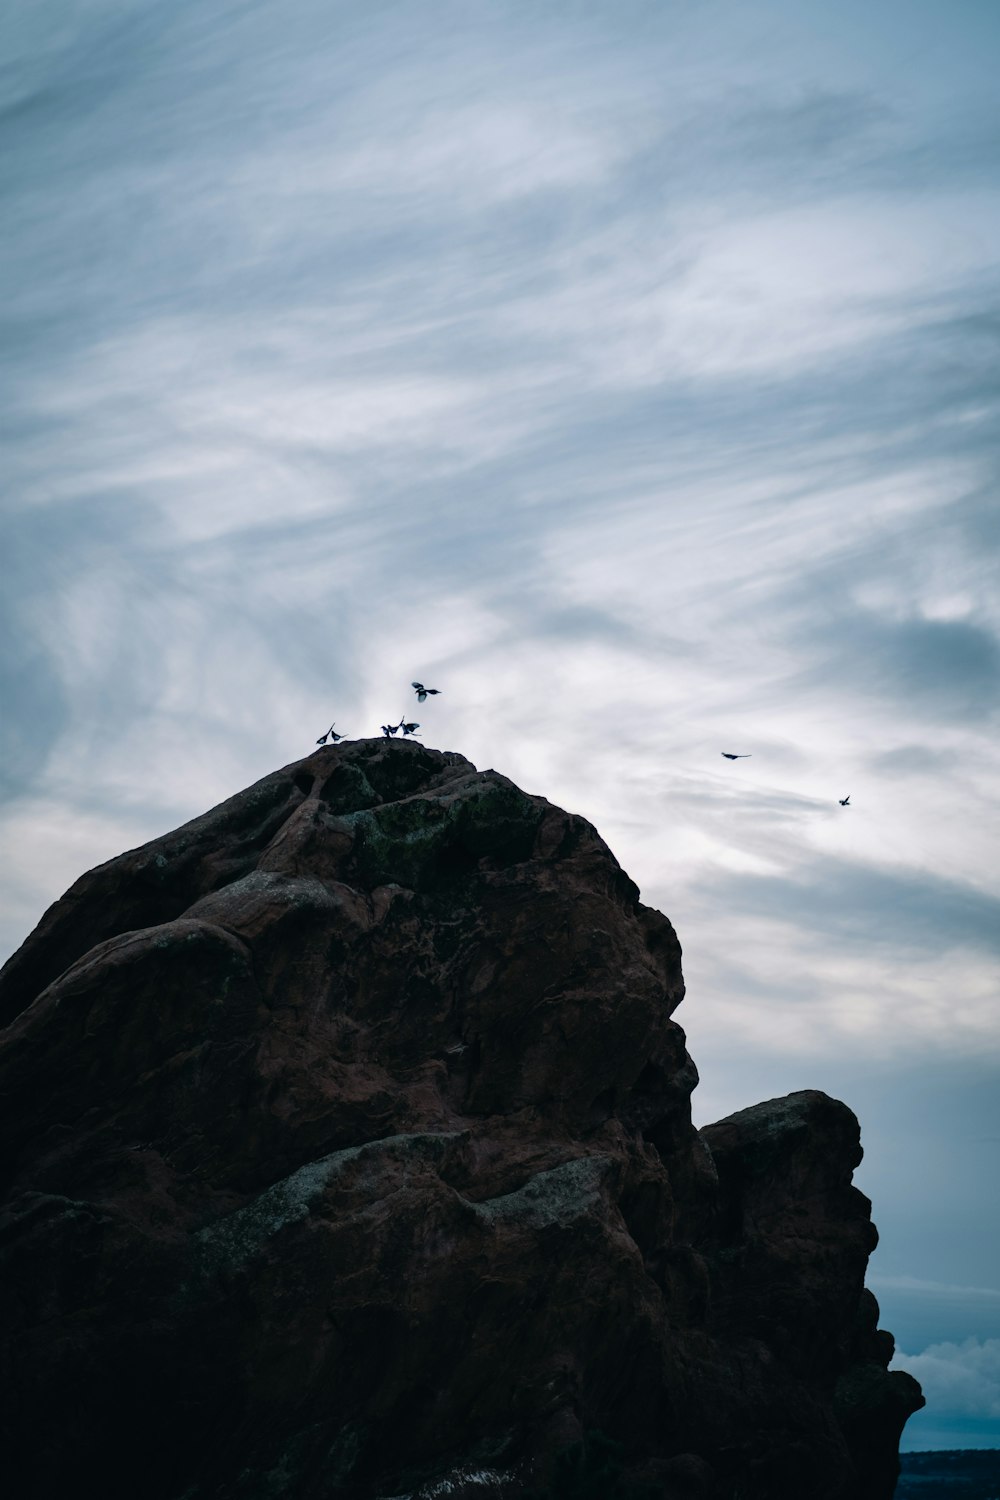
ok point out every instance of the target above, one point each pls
(627, 370)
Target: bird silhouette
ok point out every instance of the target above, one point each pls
(409, 728)
(333, 738)
(392, 728)
(845, 801)
(423, 693)
(730, 756)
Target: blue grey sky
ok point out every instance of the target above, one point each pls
(629, 371)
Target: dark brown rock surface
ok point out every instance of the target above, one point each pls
(347, 1151)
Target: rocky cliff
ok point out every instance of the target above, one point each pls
(347, 1152)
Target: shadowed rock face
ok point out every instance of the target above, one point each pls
(347, 1152)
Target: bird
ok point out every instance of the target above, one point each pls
(423, 693)
(729, 756)
(844, 801)
(333, 738)
(409, 728)
(391, 728)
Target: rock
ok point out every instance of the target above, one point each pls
(793, 1236)
(348, 1152)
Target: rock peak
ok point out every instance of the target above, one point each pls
(348, 1152)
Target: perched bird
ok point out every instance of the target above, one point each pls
(391, 728)
(844, 801)
(728, 756)
(409, 728)
(423, 693)
(333, 738)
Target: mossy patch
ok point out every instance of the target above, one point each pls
(348, 790)
(421, 841)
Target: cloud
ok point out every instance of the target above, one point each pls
(874, 907)
(957, 1379)
(796, 141)
(946, 668)
(909, 760)
(47, 843)
(936, 1289)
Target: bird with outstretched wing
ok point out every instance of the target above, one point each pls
(330, 735)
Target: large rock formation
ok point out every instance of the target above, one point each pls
(348, 1153)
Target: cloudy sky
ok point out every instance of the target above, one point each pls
(629, 370)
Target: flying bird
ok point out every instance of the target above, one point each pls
(408, 728)
(423, 693)
(844, 801)
(729, 756)
(391, 728)
(333, 738)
